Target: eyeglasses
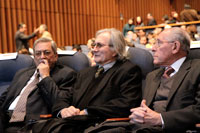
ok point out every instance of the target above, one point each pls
(99, 45)
(45, 52)
(159, 42)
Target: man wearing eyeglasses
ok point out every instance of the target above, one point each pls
(171, 100)
(51, 80)
(107, 90)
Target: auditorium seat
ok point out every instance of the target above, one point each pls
(9, 67)
(194, 53)
(143, 59)
(78, 61)
(85, 49)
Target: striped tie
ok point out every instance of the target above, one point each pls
(167, 72)
(99, 71)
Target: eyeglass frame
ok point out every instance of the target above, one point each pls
(159, 42)
(45, 52)
(100, 45)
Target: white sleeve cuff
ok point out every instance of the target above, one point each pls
(163, 125)
(86, 112)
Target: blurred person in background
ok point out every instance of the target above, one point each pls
(139, 21)
(76, 47)
(129, 27)
(43, 30)
(151, 20)
(22, 39)
(90, 54)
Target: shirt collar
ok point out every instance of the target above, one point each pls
(177, 64)
(107, 66)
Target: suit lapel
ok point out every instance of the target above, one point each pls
(23, 82)
(180, 77)
(85, 82)
(152, 89)
(105, 79)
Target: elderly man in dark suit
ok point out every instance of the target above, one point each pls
(172, 93)
(48, 81)
(107, 90)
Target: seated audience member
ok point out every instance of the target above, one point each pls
(90, 54)
(141, 33)
(150, 36)
(157, 31)
(44, 31)
(192, 30)
(174, 17)
(139, 22)
(142, 44)
(143, 40)
(151, 20)
(135, 38)
(150, 43)
(107, 90)
(165, 19)
(129, 38)
(183, 27)
(128, 27)
(34, 90)
(90, 43)
(76, 47)
(171, 98)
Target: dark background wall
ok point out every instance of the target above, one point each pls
(75, 21)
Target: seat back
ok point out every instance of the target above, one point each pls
(78, 61)
(194, 53)
(143, 59)
(85, 49)
(8, 68)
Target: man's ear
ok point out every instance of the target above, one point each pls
(176, 47)
(114, 54)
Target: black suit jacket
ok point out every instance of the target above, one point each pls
(41, 99)
(152, 22)
(183, 104)
(118, 91)
(22, 40)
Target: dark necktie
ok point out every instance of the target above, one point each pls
(20, 110)
(99, 71)
(167, 72)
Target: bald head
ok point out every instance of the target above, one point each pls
(172, 44)
(178, 34)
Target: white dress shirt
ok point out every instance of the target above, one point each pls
(14, 103)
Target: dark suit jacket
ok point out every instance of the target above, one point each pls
(118, 91)
(22, 40)
(41, 99)
(188, 15)
(183, 105)
(152, 22)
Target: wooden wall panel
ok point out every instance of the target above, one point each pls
(76, 21)
(3, 27)
(9, 26)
